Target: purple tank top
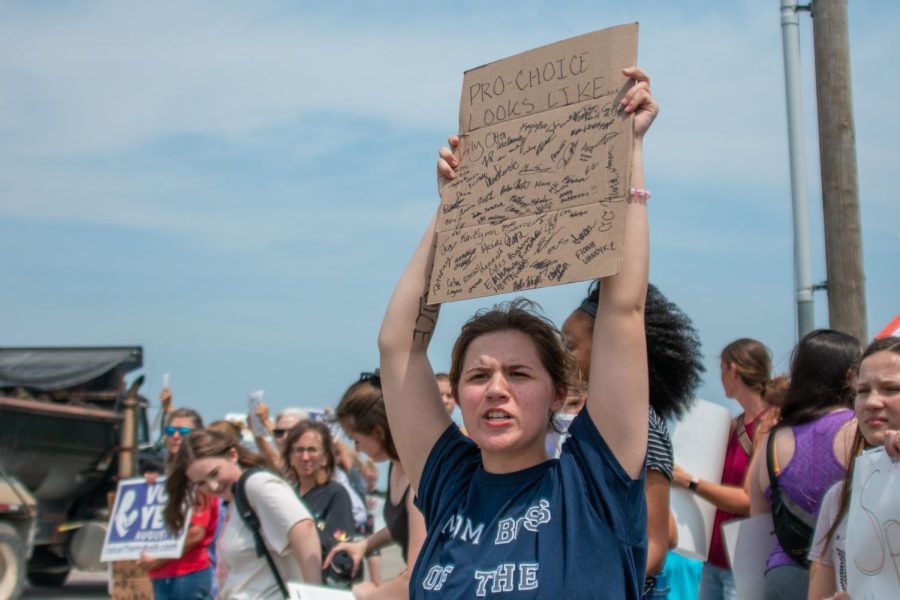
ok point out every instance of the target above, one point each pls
(812, 470)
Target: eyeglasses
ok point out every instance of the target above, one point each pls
(279, 432)
(172, 430)
(311, 451)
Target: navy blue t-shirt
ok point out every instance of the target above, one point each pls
(574, 527)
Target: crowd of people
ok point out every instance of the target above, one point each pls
(557, 484)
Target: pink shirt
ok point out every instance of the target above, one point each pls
(733, 473)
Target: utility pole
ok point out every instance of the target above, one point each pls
(837, 152)
(790, 38)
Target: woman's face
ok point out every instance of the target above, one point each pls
(173, 441)
(370, 444)
(878, 396)
(729, 377)
(507, 398)
(215, 475)
(578, 331)
(307, 455)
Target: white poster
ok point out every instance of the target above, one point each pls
(873, 528)
(302, 591)
(700, 441)
(256, 425)
(136, 524)
(749, 543)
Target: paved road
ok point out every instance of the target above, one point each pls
(89, 586)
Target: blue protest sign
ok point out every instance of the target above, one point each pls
(136, 524)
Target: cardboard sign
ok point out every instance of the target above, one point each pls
(136, 523)
(873, 528)
(302, 591)
(545, 165)
(749, 543)
(130, 582)
(700, 441)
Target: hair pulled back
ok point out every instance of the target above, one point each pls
(295, 433)
(820, 367)
(517, 315)
(753, 364)
(361, 410)
(201, 443)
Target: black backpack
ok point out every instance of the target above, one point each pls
(794, 526)
(242, 505)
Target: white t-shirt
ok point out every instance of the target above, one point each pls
(240, 573)
(832, 554)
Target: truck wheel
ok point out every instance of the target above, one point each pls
(48, 579)
(46, 568)
(12, 562)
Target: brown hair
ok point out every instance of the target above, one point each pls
(185, 413)
(887, 344)
(361, 410)
(182, 413)
(229, 428)
(518, 315)
(752, 361)
(295, 434)
(198, 444)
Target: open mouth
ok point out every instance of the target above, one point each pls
(497, 418)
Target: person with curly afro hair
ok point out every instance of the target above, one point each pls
(674, 366)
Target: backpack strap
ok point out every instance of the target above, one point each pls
(740, 429)
(248, 516)
(779, 498)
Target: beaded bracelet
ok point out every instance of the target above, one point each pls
(640, 193)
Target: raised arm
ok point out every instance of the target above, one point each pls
(411, 396)
(618, 393)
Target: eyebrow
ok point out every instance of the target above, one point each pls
(512, 367)
(205, 479)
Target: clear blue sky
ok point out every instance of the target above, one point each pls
(236, 186)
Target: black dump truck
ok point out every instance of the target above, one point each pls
(61, 426)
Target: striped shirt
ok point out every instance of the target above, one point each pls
(660, 456)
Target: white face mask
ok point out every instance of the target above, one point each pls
(554, 440)
(563, 420)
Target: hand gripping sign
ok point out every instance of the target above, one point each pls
(136, 524)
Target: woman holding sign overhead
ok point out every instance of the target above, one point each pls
(502, 516)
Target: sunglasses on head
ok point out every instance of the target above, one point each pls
(373, 378)
(171, 430)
